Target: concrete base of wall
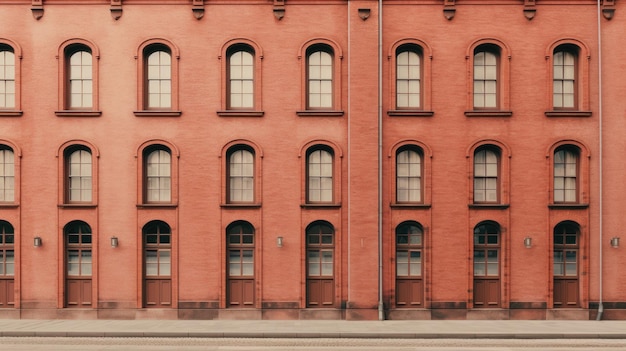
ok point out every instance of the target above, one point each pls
(408, 314)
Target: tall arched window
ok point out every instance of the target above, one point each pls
(486, 58)
(7, 265)
(78, 175)
(240, 77)
(409, 265)
(487, 265)
(566, 170)
(241, 282)
(408, 77)
(319, 175)
(409, 175)
(320, 260)
(486, 175)
(158, 174)
(7, 174)
(240, 174)
(157, 256)
(7, 77)
(80, 78)
(320, 77)
(159, 78)
(78, 248)
(565, 62)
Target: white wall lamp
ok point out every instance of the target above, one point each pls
(114, 241)
(528, 242)
(279, 241)
(37, 241)
(615, 242)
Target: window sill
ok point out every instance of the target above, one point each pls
(566, 113)
(157, 205)
(328, 205)
(88, 205)
(9, 205)
(319, 113)
(77, 113)
(241, 205)
(490, 206)
(410, 113)
(408, 205)
(488, 113)
(568, 206)
(150, 113)
(240, 113)
(10, 113)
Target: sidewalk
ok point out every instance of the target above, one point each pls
(453, 329)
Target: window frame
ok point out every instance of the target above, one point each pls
(425, 54)
(144, 51)
(230, 47)
(63, 154)
(503, 152)
(331, 47)
(66, 50)
(5, 246)
(337, 155)
(582, 78)
(3, 166)
(16, 110)
(142, 153)
(503, 57)
(582, 176)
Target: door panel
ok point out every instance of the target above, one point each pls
(320, 292)
(486, 292)
(7, 295)
(78, 292)
(409, 293)
(565, 293)
(158, 292)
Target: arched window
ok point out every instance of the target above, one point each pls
(7, 174)
(487, 265)
(157, 245)
(566, 168)
(241, 282)
(486, 58)
(240, 174)
(320, 260)
(320, 77)
(80, 78)
(486, 174)
(565, 67)
(7, 265)
(566, 264)
(7, 77)
(158, 174)
(78, 248)
(320, 164)
(408, 77)
(157, 95)
(78, 175)
(409, 169)
(409, 265)
(241, 77)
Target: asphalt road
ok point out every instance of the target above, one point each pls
(269, 344)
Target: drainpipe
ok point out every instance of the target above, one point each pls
(600, 232)
(381, 311)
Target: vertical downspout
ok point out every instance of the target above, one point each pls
(600, 232)
(381, 312)
(349, 142)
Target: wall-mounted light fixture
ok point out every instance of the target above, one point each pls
(364, 13)
(37, 241)
(114, 241)
(528, 242)
(279, 241)
(614, 242)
